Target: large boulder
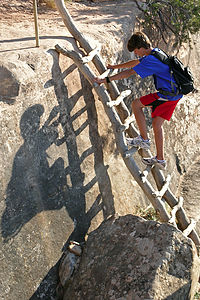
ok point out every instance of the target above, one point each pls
(131, 258)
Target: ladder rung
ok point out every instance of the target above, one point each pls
(119, 99)
(90, 56)
(130, 152)
(127, 122)
(106, 73)
(145, 173)
(161, 193)
(190, 227)
(174, 211)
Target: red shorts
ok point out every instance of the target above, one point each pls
(163, 109)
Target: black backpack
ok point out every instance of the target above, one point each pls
(182, 75)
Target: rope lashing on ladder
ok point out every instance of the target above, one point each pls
(189, 229)
(160, 194)
(145, 173)
(174, 211)
(119, 99)
(91, 55)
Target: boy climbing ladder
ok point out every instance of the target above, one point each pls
(162, 102)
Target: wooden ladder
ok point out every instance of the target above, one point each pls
(122, 122)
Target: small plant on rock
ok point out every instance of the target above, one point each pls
(149, 213)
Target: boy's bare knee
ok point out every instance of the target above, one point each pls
(157, 122)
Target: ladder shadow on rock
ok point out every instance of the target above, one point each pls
(75, 201)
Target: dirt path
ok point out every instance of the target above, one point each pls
(100, 21)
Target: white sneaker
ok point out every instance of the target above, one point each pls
(138, 142)
(150, 161)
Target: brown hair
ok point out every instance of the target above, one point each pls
(138, 40)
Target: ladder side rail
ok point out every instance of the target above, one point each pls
(157, 203)
(183, 220)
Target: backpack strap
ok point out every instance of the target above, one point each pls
(165, 59)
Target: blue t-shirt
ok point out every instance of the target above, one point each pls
(150, 65)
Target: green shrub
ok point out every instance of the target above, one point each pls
(178, 17)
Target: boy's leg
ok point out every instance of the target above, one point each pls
(159, 141)
(159, 136)
(160, 113)
(137, 108)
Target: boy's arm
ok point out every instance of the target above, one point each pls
(128, 64)
(118, 76)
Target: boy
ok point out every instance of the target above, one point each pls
(162, 103)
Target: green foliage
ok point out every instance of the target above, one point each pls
(149, 213)
(197, 296)
(180, 17)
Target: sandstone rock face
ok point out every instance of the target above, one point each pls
(61, 174)
(131, 258)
